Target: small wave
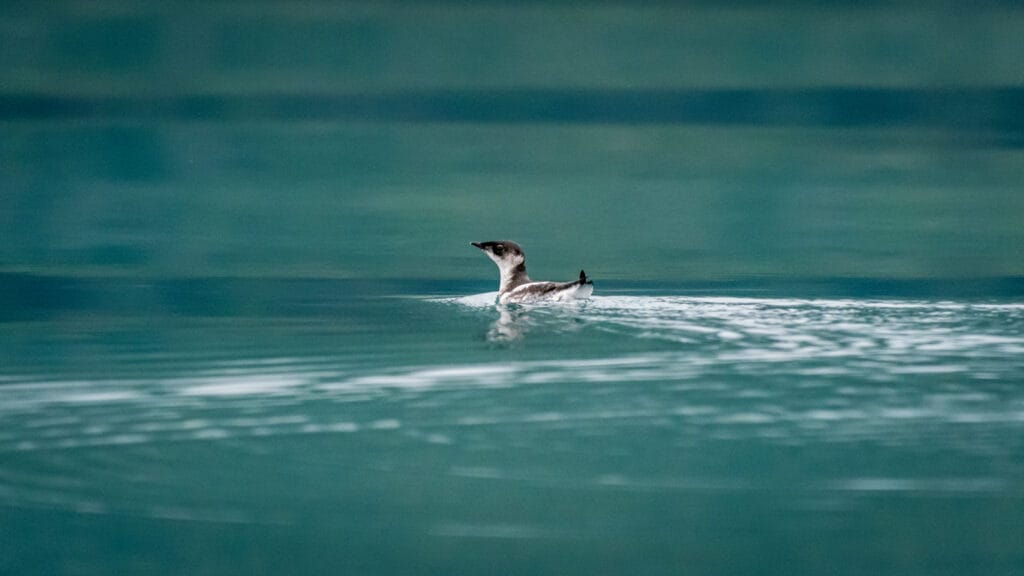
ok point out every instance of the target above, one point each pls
(965, 486)
(759, 367)
(497, 531)
(754, 330)
(483, 300)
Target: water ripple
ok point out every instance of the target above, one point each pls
(781, 370)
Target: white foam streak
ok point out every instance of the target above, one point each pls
(252, 384)
(851, 369)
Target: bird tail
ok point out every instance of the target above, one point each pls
(583, 278)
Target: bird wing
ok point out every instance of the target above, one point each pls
(534, 289)
(539, 289)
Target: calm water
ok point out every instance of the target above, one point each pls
(242, 330)
(341, 429)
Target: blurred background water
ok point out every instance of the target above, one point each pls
(242, 329)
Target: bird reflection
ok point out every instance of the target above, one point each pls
(515, 320)
(510, 326)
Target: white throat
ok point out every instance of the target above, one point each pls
(513, 274)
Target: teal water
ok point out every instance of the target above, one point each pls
(242, 330)
(335, 427)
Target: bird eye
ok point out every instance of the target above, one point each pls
(499, 249)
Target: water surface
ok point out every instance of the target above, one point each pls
(333, 427)
(242, 330)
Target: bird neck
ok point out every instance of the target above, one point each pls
(513, 277)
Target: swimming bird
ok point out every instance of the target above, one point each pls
(515, 286)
